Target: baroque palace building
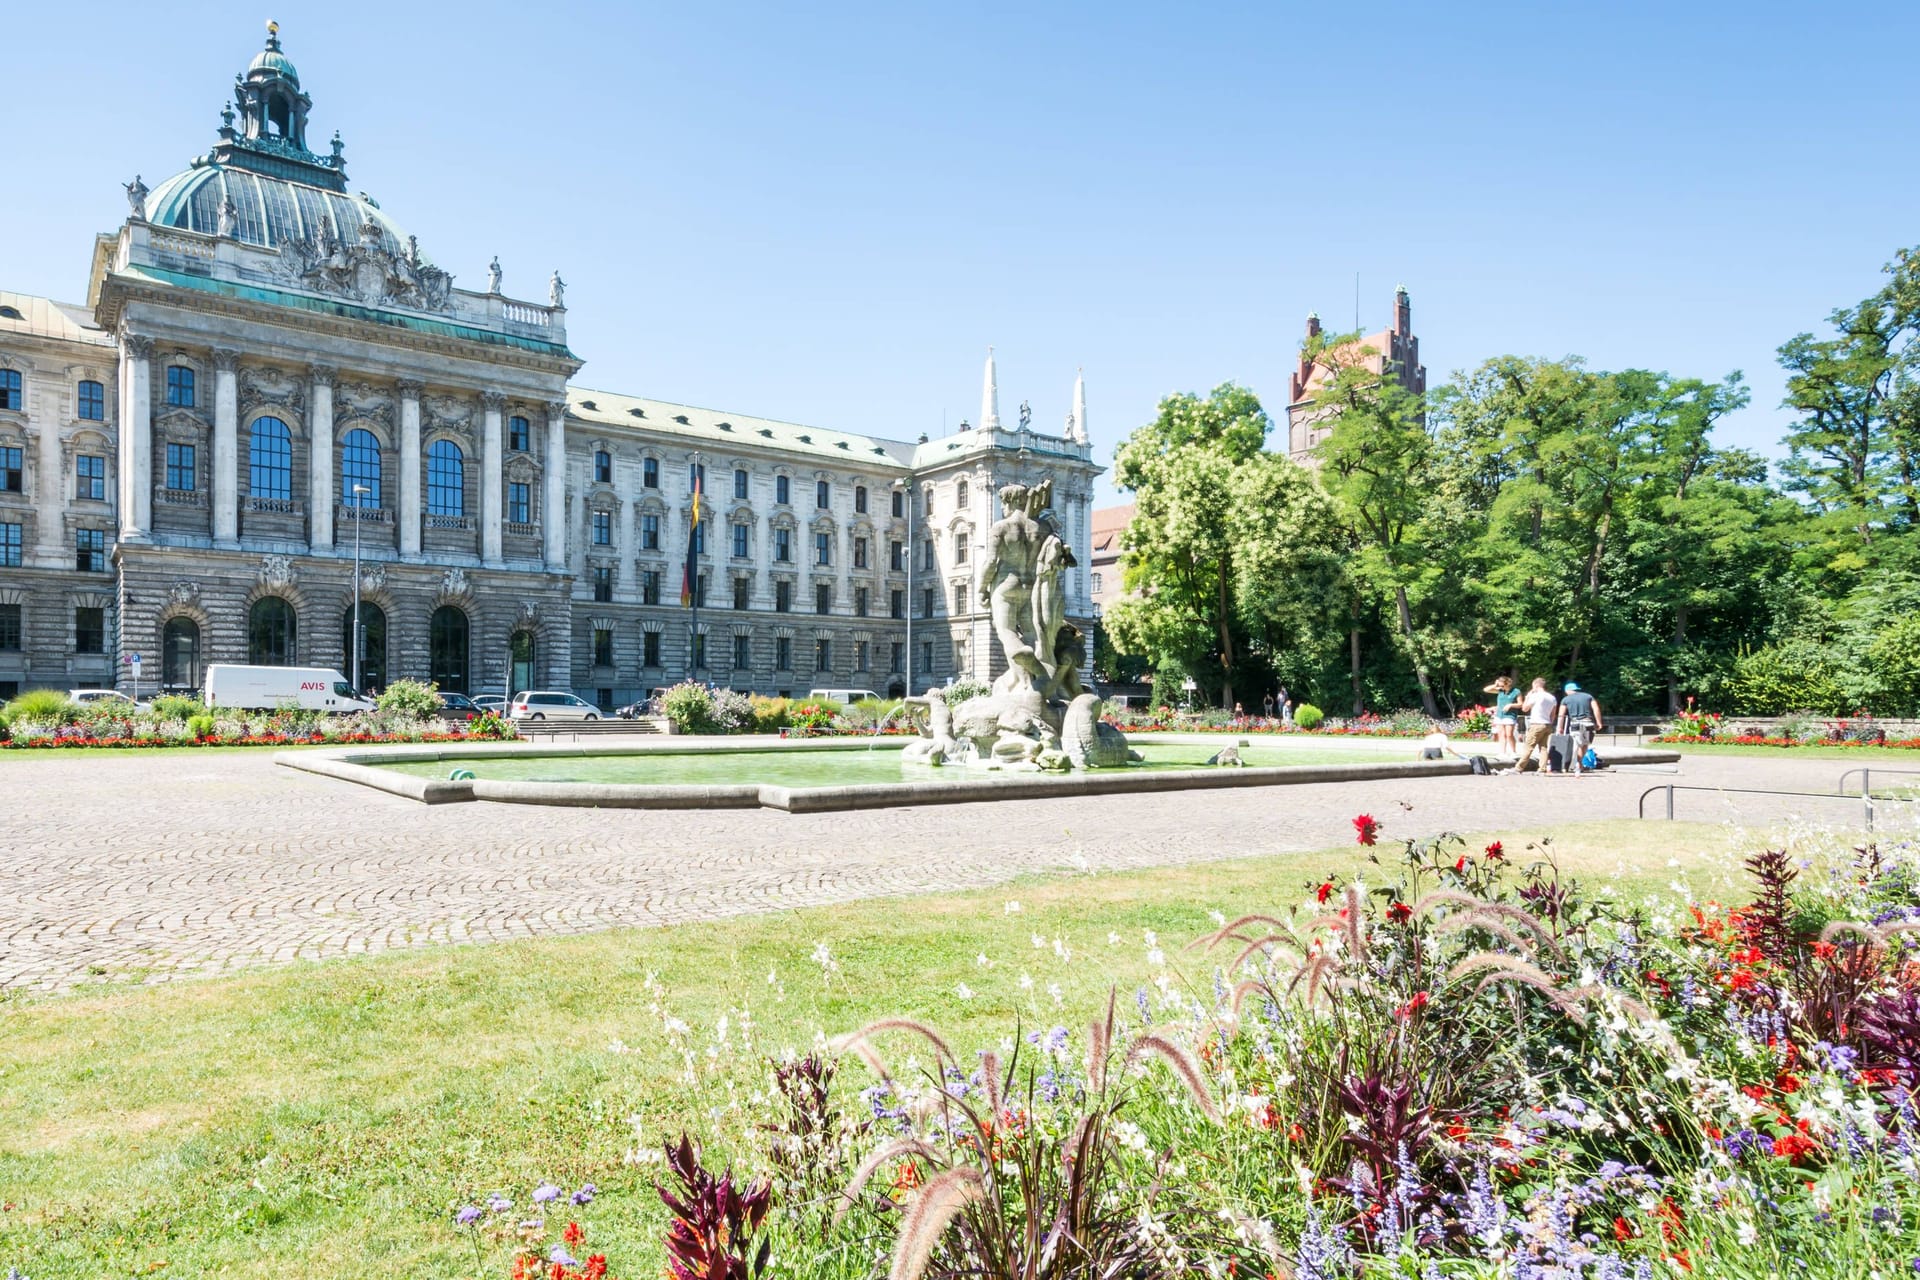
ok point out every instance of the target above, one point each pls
(268, 367)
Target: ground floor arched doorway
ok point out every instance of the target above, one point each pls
(180, 654)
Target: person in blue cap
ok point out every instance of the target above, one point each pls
(1580, 719)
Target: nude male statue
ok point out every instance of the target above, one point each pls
(1005, 584)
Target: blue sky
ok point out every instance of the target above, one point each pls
(828, 213)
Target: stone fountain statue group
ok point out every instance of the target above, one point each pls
(1037, 715)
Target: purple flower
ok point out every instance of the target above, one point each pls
(545, 1193)
(497, 1203)
(468, 1215)
(586, 1194)
(534, 1224)
(561, 1256)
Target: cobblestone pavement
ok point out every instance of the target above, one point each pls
(147, 868)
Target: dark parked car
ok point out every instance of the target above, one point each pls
(458, 707)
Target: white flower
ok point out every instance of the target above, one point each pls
(1053, 989)
(1113, 939)
(982, 961)
(1012, 908)
(1026, 982)
(1156, 957)
(824, 958)
(1038, 940)
(1153, 939)
(963, 991)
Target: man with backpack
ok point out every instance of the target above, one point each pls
(1580, 719)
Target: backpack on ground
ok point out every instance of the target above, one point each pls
(1479, 766)
(1590, 759)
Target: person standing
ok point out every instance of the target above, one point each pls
(1285, 703)
(1579, 718)
(1506, 719)
(1540, 707)
(1266, 707)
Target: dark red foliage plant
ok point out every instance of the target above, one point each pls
(713, 1221)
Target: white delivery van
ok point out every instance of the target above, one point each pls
(845, 697)
(269, 688)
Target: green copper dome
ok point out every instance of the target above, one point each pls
(269, 211)
(272, 60)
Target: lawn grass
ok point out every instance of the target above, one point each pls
(323, 1120)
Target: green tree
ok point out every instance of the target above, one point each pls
(1376, 461)
(1213, 513)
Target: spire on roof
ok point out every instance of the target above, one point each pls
(1077, 421)
(990, 398)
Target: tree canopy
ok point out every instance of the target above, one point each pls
(1535, 517)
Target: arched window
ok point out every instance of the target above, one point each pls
(1096, 584)
(180, 654)
(92, 400)
(960, 494)
(272, 633)
(360, 465)
(180, 386)
(447, 649)
(373, 645)
(270, 460)
(519, 434)
(524, 650)
(446, 480)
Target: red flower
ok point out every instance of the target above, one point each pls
(1460, 864)
(1324, 892)
(1412, 1006)
(1622, 1229)
(1793, 1146)
(1366, 829)
(1496, 851)
(596, 1267)
(573, 1234)
(1399, 912)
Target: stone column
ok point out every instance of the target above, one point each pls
(320, 495)
(226, 446)
(492, 402)
(136, 437)
(409, 504)
(553, 505)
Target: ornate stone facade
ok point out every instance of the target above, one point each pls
(512, 531)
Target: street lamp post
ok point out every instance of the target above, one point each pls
(354, 658)
(906, 494)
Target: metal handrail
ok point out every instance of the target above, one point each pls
(1866, 773)
(1866, 798)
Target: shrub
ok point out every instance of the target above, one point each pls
(1476, 720)
(769, 714)
(1169, 684)
(48, 707)
(491, 727)
(810, 715)
(689, 708)
(732, 712)
(6, 731)
(962, 689)
(200, 726)
(1795, 676)
(174, 706)
(418, 699)
(1308, 716)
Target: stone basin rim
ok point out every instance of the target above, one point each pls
(357, 766)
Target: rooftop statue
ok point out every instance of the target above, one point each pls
(137, 196)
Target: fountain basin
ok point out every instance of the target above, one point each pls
(838, 774)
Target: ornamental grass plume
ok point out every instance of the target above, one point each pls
(932, 1209)
(857, 1040)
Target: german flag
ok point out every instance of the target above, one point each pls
(689, 575)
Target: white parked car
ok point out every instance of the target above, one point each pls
(491, 702)
(247, 688)
(548, 704)
(845, 697)
(84, 696)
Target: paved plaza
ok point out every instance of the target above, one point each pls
(132, 867)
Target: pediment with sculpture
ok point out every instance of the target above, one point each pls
(366, 271)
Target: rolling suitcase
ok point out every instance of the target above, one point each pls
(1560, 752)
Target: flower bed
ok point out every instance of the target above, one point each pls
(78, 741)
(1471, 1066)
(1776, 740)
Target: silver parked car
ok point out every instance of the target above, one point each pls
(548, 704)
